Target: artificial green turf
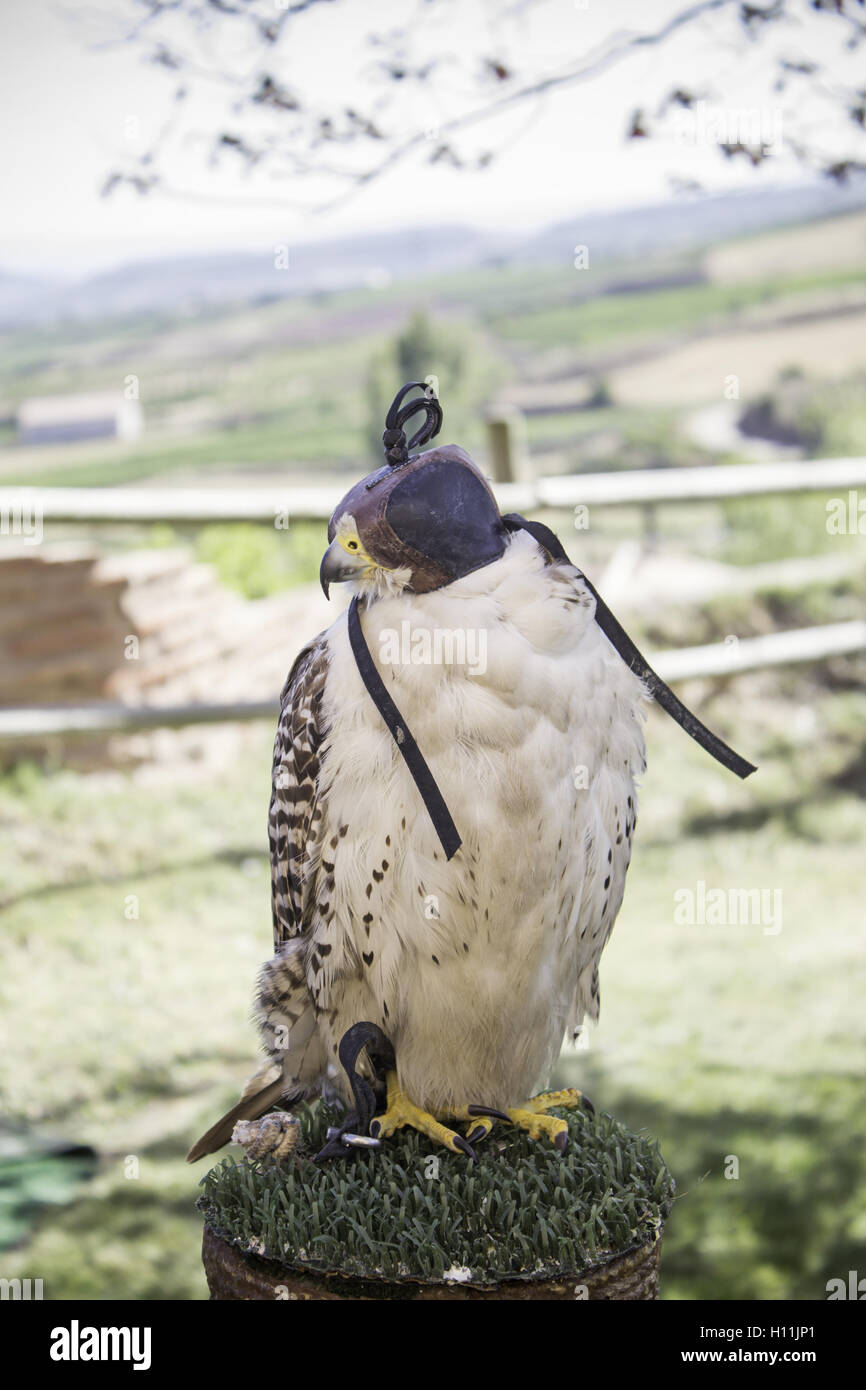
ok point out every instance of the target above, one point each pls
(407, 1211)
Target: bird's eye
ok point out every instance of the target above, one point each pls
(352, 545)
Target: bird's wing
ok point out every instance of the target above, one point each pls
(296, 820)
(612, 810)
(286, 1014)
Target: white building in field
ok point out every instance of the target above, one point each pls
(64, 419)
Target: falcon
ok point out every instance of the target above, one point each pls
(454, 803)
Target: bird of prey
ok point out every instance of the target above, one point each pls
(454, 802)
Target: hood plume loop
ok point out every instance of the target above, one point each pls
(394, 441)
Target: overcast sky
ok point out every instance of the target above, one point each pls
(66, 99)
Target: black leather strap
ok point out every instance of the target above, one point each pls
(414, 758)
(619, 638)
(613, 631)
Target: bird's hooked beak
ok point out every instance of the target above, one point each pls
(338, 565)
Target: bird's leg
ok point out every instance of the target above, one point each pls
(532, 1116)
(401, 1111)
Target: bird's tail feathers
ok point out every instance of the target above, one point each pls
(296, 1062)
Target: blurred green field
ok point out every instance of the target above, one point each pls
(288, 386)
(646, 314)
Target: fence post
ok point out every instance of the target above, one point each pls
(507, 447)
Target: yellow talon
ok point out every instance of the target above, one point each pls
(400, 1111)
(536, 1125)
(478, 1128)
(534, 1119)
(571, 1099)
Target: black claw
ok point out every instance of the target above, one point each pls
(486, 1110)
(375, 1129)
(465, 1148)
(561, 1142)
(333, 1149)
(476, 1134)
(587, 1104)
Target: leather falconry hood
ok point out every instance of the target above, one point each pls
(436, 514)
(433, 512)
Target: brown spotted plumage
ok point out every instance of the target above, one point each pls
(300, 869)
(286, 1000)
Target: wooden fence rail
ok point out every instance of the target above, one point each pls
(799, 646)
(651, 486)
(644, 488)
(101, 506)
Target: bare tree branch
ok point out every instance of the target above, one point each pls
(306, 126)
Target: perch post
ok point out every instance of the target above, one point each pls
(407, 1223)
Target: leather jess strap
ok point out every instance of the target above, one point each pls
(414, 758)
(613, 631)
(619, 638)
